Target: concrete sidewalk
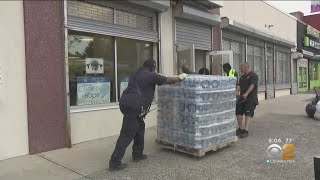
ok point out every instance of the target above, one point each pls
(279, 118)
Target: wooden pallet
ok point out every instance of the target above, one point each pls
(195, 152)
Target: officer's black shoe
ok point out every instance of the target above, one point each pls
(137, 159)
(244, 133)
(118, 168)
(238, 132)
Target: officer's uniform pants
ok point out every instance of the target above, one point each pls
(133, 128)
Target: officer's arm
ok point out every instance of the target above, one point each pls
(172, 80)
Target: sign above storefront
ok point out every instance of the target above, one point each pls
(307, 42)
(313, 32)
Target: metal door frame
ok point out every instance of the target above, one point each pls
(192, 54)
(215, 53)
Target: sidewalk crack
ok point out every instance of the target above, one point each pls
(84, 176)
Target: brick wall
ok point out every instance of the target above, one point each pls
(90, 11)
(112, 13)
(45, 68)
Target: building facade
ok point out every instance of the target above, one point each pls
(76, 57)
(72, 60)
(307, 55)
(13, 98)
(264, 42)
(312, 20)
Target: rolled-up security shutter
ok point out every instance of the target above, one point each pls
(113, 19)
(270, 72)
(193, 33)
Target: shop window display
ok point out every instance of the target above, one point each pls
(91, 68)
(92, 73)
(282, 68)
(130, 56)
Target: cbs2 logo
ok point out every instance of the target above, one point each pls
(274, 150)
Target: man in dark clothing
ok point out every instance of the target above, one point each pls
(249, 93)
(204, 71)
(228, 71)
(185, 69)
(137, 98)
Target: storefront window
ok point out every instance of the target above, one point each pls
(313, 71)
(238, 52)
(258, 64)
(250, 56)
(200, 59)
(294, 69)
(92, 78)
(130, 56)
(270, 65)
(282, 68)
(91, 68)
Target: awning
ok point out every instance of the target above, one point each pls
(159, 6)
(212, 3)
(307, 54)
(192, 14)
(316, 57)
(228, 24)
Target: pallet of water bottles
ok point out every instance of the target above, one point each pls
(197, 115)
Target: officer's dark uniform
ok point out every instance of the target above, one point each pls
(139, 93)
(247, 107)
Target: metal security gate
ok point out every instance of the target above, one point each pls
(236, 43)
(270, 73)
(294, 78)
(113, 19)
(188, 33)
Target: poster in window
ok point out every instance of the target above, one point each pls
(123, 84)
(303, 63)
(93, 90)
(94, 66)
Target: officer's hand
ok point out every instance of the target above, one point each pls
(183, 76)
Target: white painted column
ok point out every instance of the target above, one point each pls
(13, 96)
(167, 43)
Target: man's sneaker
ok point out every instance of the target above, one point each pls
(118, 168)
(143, 157)
(244, 133)
(238, 132)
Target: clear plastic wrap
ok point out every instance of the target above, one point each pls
(198, 112)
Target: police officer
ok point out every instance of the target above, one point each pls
(228, 71)
(136, 99)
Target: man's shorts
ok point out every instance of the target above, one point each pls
(246, 108)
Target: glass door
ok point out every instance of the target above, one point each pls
(185, 55)
(302, 75)
(216, 59)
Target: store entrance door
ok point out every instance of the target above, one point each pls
(303, 75)
(216, 59)
(185, 55)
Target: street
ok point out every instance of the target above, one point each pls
(281, 118)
